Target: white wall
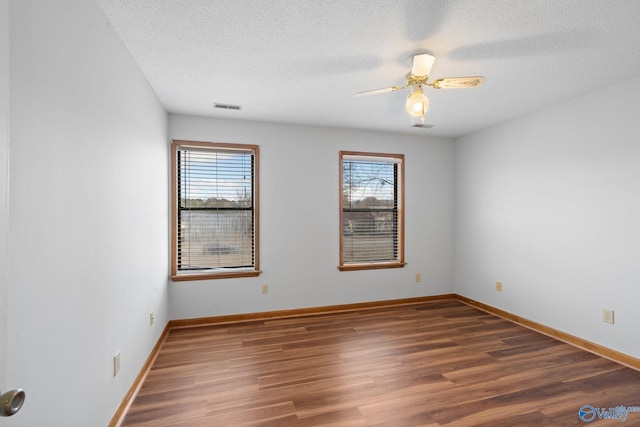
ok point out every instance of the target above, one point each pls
(4, 186)
(299, 220)
(549, 204)
(89, 211)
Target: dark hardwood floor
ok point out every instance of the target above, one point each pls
(427, 364)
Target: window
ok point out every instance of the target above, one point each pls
(371, 210)
(214, 210)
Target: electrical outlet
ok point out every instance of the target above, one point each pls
(116, 364)
(607, 315)
(418, 277)
(499, 286)
(265, 289)
(151, 319)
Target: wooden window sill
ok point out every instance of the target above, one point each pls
(210, 276)
(371, 266)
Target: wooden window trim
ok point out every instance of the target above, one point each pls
(399, 263)
(208, 274)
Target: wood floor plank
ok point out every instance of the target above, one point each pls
(436, 363)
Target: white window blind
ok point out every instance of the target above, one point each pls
(216, 216)
(371, 209)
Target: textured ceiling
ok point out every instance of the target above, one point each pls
(302, 61)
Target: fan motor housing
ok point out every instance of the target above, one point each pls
(415, 80)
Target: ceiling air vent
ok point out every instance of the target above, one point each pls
(420, 125)
(220, 106)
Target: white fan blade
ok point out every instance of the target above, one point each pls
(458, 82)
(377, 91)
(422, 64)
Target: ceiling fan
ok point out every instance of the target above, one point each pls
(417, 102)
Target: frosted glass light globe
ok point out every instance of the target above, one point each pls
(417, 103)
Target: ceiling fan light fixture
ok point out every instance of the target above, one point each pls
(417, 103)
